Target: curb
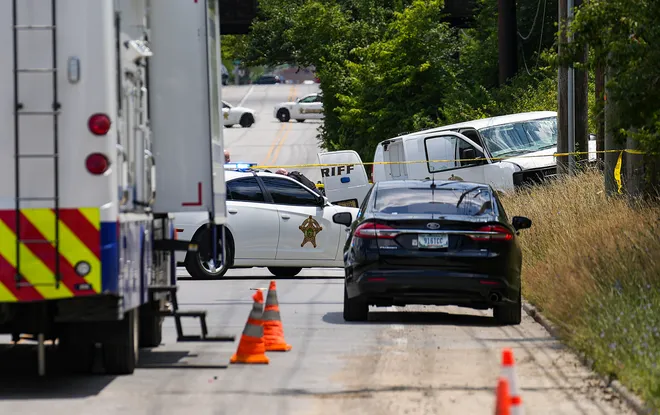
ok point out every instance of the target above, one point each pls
(632, 400)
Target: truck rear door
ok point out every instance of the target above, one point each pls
(345, 180)
(185, 108)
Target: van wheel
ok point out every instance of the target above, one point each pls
(300, 120)
(200, 265)
(283, 115)
(120, 351)
(284, 271)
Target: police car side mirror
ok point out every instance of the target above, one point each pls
(343, 218)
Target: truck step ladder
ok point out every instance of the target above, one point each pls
(21, 111)
(178, 314)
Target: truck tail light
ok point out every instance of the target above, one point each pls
(99, 124)
(97, 163)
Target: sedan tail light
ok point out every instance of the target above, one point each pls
(497, 233)
(371, 230)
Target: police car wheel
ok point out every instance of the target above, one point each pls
(300, 120)
(246, 121)
(283, 115)
(201, 265)
(284, 271)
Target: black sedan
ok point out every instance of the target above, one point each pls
(432, 243)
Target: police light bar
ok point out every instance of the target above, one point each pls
(239, 166)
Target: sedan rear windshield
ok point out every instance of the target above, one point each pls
(470, 201)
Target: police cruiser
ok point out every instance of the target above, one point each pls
(273, 221)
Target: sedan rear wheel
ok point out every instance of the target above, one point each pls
(355, 309)
(509, 314)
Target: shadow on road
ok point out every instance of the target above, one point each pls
(19, 379)
(415, 317)
(152, 359)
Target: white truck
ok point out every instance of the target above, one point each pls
(511, 150)
(93, 96)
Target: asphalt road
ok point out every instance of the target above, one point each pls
(424, 360)
(268, 141)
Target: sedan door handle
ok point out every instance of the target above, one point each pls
(232, 211)
(285, 217)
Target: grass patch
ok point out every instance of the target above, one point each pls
(592, 265)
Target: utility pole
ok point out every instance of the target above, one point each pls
(581, 102)
(612, 141)
(507, 35)
(600, 108)
(562, 93)
(573, 98)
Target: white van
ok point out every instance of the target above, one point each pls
(345, 182)
(515, 148)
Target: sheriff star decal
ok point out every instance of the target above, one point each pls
(310, 228)
(226, 115)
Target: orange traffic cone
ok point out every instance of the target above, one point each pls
(251, 347)
(503, 400)
(509, 372)
(273, 329)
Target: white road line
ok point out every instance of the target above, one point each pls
(247, 94)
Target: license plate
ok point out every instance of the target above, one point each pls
(433, 241)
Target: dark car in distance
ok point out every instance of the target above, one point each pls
(432, 243)
(269, 80)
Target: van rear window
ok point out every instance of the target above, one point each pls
(424, 200)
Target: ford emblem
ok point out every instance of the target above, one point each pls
(433, 225)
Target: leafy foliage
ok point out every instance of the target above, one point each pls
(625, 36)
(388, 67)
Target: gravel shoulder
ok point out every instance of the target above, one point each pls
(433, 360)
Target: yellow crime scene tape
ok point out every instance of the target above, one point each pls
(617, 168)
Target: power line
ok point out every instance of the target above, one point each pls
(538, 8)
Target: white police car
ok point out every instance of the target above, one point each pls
(273, 221)
(309, 107)
(242, 116)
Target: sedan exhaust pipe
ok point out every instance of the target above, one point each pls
(494, 297)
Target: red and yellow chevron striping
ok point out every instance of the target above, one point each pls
(79, 240)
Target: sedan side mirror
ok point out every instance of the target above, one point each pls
(343, 218)
(521, 222)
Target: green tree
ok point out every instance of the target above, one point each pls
(625, 36)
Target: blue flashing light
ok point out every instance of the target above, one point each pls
(239, 166)
(345, 179)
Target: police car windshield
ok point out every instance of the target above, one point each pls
(441, 200)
